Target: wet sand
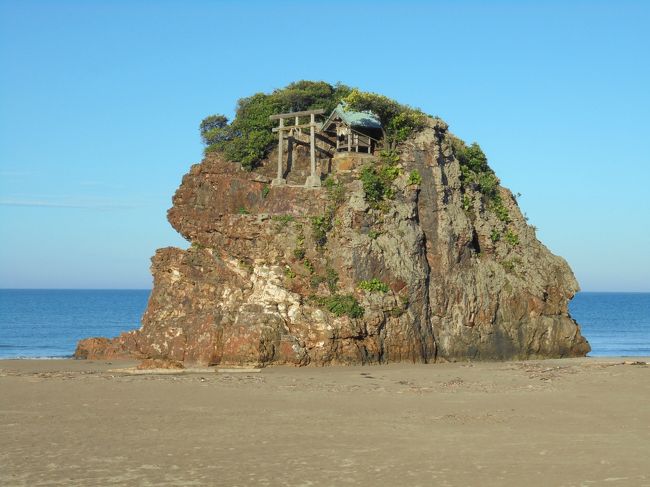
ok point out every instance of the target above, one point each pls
(578, 422)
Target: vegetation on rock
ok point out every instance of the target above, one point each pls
(320, 225)
(341, 305)
(511, 237)
(467, 203)
(477, 174)
(414, 178)
(309, 266)
(377, 179)
(335, 190)
(299, 251)
(474, 168)
(248, 138)
(283, 218)
(374, 285)
(332, 279)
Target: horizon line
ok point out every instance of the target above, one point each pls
(151, 289)
(75, 289)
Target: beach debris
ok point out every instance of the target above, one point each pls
(185, 371)
(156, 363)
(239, 370)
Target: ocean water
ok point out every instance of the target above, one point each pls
(616, 324)
(48, 323)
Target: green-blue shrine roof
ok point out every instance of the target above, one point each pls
(354, 119)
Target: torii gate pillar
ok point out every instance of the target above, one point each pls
(313, 181)
(279, 179)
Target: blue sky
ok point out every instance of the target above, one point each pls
(100, 103)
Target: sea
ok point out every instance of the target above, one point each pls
(48, 323)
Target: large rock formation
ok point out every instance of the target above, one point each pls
(264, 282)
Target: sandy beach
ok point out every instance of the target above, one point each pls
(577, 422)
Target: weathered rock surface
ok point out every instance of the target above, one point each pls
(243, 293)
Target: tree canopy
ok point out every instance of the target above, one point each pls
(248, 138)
(214, 129)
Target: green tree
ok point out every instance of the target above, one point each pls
(473, 157)
(248, 139)
(475, 170)
(214, 129)
(309, 95)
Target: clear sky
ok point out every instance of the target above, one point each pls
(100, 103)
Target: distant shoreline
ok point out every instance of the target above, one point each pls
(70, 289)
(54, 289)
(599, 358)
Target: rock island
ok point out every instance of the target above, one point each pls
(329, 225)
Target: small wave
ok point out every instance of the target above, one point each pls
(50, 357)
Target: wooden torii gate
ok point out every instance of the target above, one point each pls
(313, 181)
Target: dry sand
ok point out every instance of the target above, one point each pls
(580, 422)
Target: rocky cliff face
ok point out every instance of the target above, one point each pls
(264, 282)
